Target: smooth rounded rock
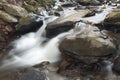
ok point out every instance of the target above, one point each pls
(55, 29)
(15, 10)
(88, 46)
(7, 18)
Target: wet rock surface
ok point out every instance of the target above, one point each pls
(73, 69)
(72, 48)
(24, 74)
(33, 75)
(88, 2)
(79, 60)
(54, 30)
(112, 21)
(116, 65)
(87, 48)
(27, 24)
(73, 16)
(87, 54)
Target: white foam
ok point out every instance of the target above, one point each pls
(99, 17)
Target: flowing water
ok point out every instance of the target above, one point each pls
(32, 48)
(99, 17)
(29, 50)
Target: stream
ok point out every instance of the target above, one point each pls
(34, 48)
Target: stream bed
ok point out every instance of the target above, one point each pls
(67, 40)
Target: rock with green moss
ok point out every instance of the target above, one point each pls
(7, 18)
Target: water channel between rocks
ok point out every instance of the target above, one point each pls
(34, 48)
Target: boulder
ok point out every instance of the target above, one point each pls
(33, 75)
(88, 2)
(15, 10)
(27, 24)
(87, 51)
(64, 23)
(88, 46)
(23, 74)
(83, 49)
(112, 21)
(7, 18)
(54, 30)
(73, 16)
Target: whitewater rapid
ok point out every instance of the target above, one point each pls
(34, 48)
(29, 50)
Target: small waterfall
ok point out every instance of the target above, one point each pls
(29, 51)
(99, 17)
(41, 31)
